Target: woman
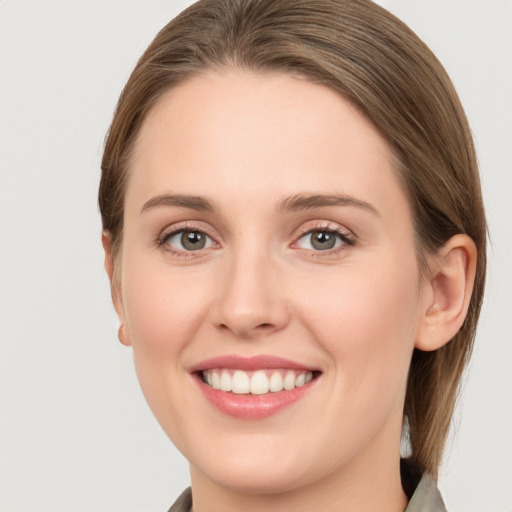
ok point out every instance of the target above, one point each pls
(295, 238)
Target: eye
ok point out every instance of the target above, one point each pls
(188, 240)
(322, 240)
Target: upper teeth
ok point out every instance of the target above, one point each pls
(256, 383)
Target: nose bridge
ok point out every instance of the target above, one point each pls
(251, 302)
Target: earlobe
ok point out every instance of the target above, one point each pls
(122, 334)
(123, 338)
(448, 293)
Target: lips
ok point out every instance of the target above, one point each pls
(253, 388)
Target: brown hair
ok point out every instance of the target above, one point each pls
(376, 62)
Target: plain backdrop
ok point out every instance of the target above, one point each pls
(76, 434)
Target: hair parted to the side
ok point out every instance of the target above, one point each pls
(376, 62)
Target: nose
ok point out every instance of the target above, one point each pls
(252, 302)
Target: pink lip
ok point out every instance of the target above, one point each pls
(249, 363)
(250, 407)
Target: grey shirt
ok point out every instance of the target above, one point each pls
(426, 498)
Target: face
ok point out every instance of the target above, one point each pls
(269, 281)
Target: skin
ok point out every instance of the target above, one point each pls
(248, 142)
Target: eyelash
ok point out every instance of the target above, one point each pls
(345, 237)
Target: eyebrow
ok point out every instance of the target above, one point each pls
(303, 202)
(184, 201)
(299, 202)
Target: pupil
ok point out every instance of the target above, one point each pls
(192, 240)
(322, 240)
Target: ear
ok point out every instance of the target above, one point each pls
(447, 295)
(115, 287)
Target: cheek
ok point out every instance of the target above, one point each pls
(368, 322)
(161, 306)
(163, 310)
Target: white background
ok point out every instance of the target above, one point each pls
(76, 434)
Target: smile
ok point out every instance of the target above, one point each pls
(258, 382)
(253, 388)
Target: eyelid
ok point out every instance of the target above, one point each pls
(323, 225)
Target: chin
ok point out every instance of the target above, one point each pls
(263, 479)
(272, 473)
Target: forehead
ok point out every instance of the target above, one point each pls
(238, 132)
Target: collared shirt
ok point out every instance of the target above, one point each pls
(426, 498)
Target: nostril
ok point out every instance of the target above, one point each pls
(249, 332)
